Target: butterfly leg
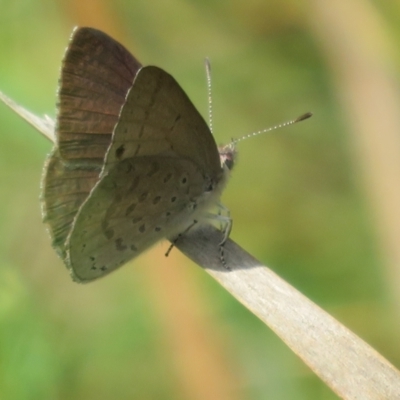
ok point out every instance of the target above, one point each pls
(226, 222)
(225, 226)
(173, 243)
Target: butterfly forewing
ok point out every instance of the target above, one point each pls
(159, 118)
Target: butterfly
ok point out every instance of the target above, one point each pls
(134, 162)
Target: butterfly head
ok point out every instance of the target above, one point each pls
(227, 155)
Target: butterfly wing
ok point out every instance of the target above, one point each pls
(159, 118)
(138, 202)
(63, 192)
(96, 75)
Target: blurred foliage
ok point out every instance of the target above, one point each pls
(295, 197)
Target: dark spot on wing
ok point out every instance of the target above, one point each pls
(120, 151)
(119, 245)
(130, 209)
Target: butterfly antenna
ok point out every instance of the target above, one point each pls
(293, 121)
(209, 93)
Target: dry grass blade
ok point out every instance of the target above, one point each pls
(340, 358)
(45, 125)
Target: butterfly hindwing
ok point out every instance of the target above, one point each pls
(137, 203)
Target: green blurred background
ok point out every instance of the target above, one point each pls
(317, 202)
